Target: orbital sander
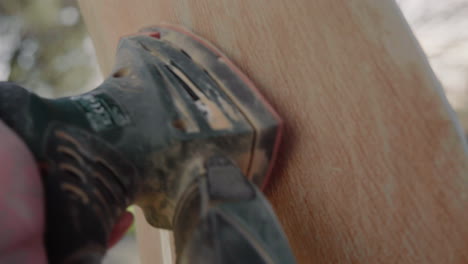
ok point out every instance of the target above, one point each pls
(176, 129)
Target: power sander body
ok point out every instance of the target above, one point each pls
(176, 129)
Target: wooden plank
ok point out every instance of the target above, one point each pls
(373, 167)
(154, 244)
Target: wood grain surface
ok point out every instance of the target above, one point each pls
(373, 167)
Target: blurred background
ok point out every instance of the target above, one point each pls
(44, 46)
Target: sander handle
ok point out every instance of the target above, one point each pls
(83, 201)
(81, 175)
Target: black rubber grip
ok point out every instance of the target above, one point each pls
(87, 189)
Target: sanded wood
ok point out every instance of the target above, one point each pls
(373, 167)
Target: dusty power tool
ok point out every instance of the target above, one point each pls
(176, 129)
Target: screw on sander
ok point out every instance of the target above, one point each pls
(173, 130)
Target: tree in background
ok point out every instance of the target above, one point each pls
(44, 46)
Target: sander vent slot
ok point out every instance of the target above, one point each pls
(186, 54)
(186, 87)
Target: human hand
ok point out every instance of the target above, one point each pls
(22, 205)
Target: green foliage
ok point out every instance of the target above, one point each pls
(51, 54)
